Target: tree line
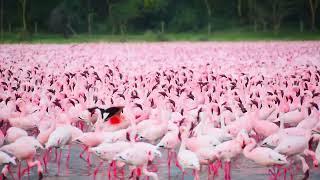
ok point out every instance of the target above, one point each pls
(140, 16)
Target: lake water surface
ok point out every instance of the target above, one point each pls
(78, 169)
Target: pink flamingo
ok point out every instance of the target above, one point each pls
(6, 160)
(60, 137)
(108, 151)
(262, 155)
(24, 150)
(187, 159)
(90, 139)
(230, 149)
(138, 155)
(262, 127)
(157, 129)
(170, 141)
(14, 133)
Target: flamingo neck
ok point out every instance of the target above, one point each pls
(222, 122)
(183, 144)
(151, 174)
(281, 122)
(247, 150)
(255, 116)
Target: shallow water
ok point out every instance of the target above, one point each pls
(78, 169)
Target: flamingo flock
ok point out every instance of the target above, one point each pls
(126, 104)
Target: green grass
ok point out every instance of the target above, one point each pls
(153, 37)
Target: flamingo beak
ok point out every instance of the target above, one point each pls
(111, 111)
(243, 145)
(267, 145)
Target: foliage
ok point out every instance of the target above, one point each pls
(185, 20)
(137, 16)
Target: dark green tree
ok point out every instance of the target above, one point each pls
(313, 4)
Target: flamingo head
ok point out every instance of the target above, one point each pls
(233, 130)
(278, 158)
(153, 153)
(140, 137)
(95, 150)
(271, 141)
(243, 137)
(124, 156)
(38, 145)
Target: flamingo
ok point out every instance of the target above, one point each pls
(59, 138)
(108, 151)
(14, 133)
(262, 127)
(6, 160)
(262, 155)
(156, 130)
(138, 155)
(170, 141)
(186, 158)
(293, 145)
(229, 149)
(91, 139)
(23, 150)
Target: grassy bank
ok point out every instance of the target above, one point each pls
(152, 37)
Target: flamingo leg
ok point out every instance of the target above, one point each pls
(225, 171)
(4, 171)
(19, 170)
(27, 169)
(278, 171)
(216, 167)
(178, 165)
(49, 153)
(149, 174)
(308, 152)
(285, 173)
(169, 163)
(290, 170)
(97, 169)
(83, 151)
(274, 173)
(88, 158)
(59, 161)
(37, 163)
(10, 172)
(291, 173)
(196, 175)
(152, 167)
(183, 175)
(109, 170)
(114, 168)
(45, 160)
(69, 149)
(135, 173)
(174, 156)
(209, 171)
(122, 172)
(132, 173)
(305, 167)
(56, 154)
(229, 170)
